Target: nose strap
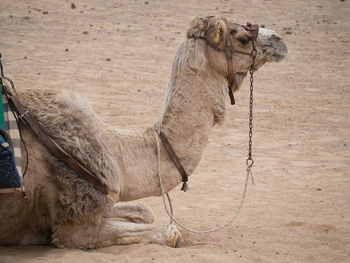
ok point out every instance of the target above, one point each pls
(253, 29)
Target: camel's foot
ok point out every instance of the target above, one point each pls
(174, 236)
(114, 232)
(136, 212)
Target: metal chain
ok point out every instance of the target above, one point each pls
(250, 160)
(249, 163)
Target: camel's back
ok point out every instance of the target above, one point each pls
(54, 193)
(72, 124)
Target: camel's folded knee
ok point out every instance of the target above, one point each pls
(132, 212)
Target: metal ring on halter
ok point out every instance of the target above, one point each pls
(22, 115)
(249, 162)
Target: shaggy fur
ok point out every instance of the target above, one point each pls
(73, 124)
(80, 203)
(66, 209)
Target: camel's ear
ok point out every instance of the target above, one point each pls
(219, 32)
(197, 28)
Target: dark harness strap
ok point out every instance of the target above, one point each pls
(55, 149)
(230, 70)
(254, 29)
(175, 160)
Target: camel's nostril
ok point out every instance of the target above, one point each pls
(275, 37)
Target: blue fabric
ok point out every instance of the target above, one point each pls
(9, 176)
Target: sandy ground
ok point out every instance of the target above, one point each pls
(119, 55)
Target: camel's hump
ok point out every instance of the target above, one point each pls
(71, 122)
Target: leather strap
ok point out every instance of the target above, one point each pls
(228, 50)
(206, 22)
(230, 70)
(173, 156)
(55, 149)
(254, 29)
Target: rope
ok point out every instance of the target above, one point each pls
(170, 213)
(249, 161)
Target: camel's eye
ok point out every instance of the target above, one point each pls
(233, 31)
(244, 39)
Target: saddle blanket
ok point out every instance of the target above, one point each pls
(10, 156)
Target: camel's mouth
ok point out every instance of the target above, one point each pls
(273, 46)
(279, 57)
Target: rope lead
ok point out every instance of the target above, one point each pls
(171, 212)
(250, 174)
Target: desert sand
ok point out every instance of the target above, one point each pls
(119, 55)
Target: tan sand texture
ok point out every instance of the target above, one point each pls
(119, 55)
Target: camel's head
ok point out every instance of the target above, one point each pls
(215, 32)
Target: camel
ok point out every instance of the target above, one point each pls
(67, 211)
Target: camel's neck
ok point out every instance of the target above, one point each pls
(195, 102)
(187, 124)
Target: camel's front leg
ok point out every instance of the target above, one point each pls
(113, 232)
(135, 212)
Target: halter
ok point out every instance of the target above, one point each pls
(228, 49)
(254, 29)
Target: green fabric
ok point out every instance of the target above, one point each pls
(2, 119)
